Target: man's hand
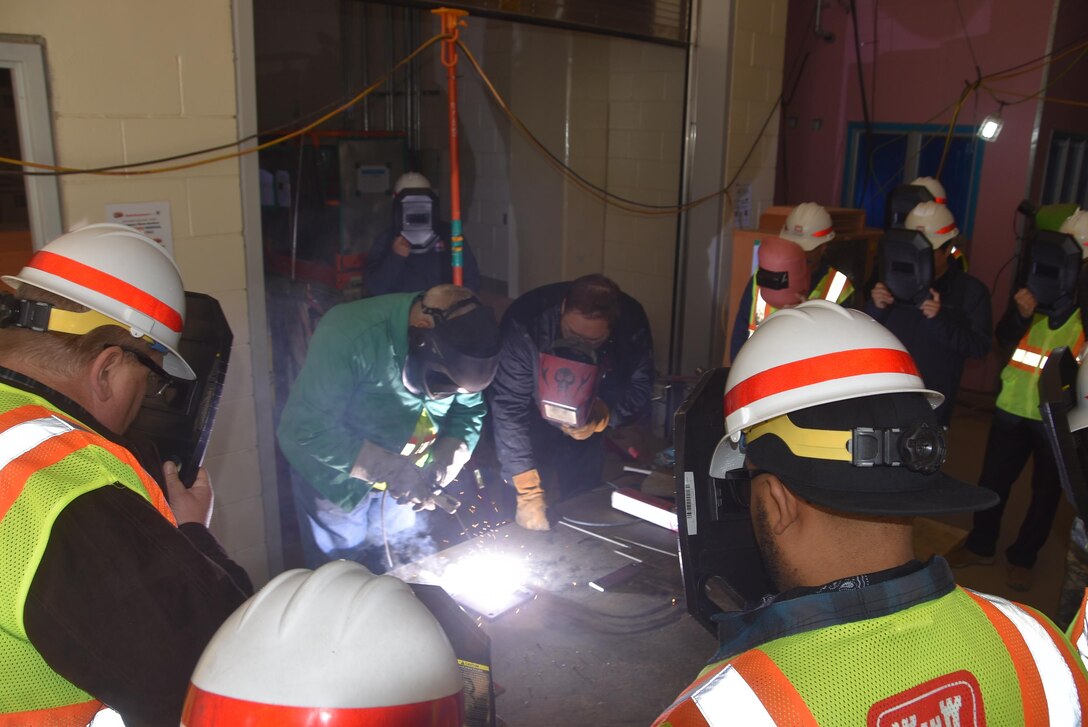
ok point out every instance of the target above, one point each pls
(881, 296)
(596, 422)
(405, 482)
(448, 456)
(192, 504)
(1025, 303)
(401, 246)
(931, 306)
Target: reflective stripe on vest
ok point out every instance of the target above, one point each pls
(727, 699)
(837, 284)
(833, 286)
(759, 310)
(1019, 392)
(1041, 664)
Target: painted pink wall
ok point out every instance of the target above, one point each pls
(922, 64)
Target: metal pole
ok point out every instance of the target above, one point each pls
(451, 24)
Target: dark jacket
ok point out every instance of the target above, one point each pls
(530, 325)
(388, 272)
(939, 345)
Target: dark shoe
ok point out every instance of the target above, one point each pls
(1019, 578)
(961, 557)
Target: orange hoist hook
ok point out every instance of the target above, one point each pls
(451, 26)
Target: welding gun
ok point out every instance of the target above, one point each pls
(445, 502)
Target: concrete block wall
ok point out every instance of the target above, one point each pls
(131, 81)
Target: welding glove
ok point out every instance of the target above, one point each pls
(532, 507)
(448, 456)
(595, 422)
(403, 480)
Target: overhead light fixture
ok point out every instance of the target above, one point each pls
(990, 127)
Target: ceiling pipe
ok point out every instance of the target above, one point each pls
(826, 35)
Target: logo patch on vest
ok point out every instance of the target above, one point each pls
(952, 700)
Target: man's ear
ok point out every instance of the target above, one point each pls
(782, 506)
(102, 372)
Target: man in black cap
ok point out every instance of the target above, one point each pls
(388, 401)
(832, 445)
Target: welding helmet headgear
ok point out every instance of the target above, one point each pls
(935, 188)
(302, 652)
(782, 276)
(1076, 226)
(933, 220)
(809, 225)
(459, 354)
(124, 277)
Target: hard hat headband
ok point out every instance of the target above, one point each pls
(106, 284)
(39, 316)
(919, 447)
(817, 370)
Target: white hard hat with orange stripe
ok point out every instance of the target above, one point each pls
(809, 225)
(934, 187)
(124, 277)
(933, 220)
(816, 353)
(338, 646)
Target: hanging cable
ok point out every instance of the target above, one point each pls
(864, 105)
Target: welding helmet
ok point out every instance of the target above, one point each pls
(782, 276)
(831, 403)
(906, 265)
(414, 212)
(935, 188)
(1076, 225)
(338, 646)
(1054, 264)
(566, 382)
(124, 277)
(933, 220)
(809, 225)
(458, 355)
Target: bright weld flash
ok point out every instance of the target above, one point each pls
(488, 577)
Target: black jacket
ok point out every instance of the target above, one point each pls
(939, 345)
(388, 272)
(531, 324)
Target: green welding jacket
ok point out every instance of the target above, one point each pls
(350, 389)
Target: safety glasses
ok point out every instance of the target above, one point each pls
(158, 381)
(739, 481)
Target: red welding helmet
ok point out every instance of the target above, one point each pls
(566, 383)
(782, 276)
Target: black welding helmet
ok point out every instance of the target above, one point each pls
(414, 212)
(1054, 262)
(566, 382)
(906, 265)
(457, 356)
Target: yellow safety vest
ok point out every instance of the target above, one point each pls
(1020, 378)
(833, 286)
(47, 460)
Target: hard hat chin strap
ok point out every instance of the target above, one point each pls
(39, 316)
(919, 447)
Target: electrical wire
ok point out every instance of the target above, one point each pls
(864, 105)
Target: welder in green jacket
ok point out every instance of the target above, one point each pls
(388, 402)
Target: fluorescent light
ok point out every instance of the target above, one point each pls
(990, 127)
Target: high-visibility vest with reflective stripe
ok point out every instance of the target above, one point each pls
(833, 286)
(1019, 393)
(47, 460)
(951, 660)
(1078, 630)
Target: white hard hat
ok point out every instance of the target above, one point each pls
(933, 220)
(1078, 417)
(934, 187)
(809, 225)
(123, 275)
(1076, 225)
(816, 353)
(411, 180)
(336, 646)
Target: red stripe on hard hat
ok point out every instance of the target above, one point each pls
(207, 709)
(946, 228)
(940, 200)
(831, 366)
(108, 285)
(823, 233)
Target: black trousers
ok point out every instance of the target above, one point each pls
(1012, 440)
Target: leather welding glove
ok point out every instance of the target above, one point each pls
(595, 422)
(532, 512)
(447, 456)
(406, 482)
